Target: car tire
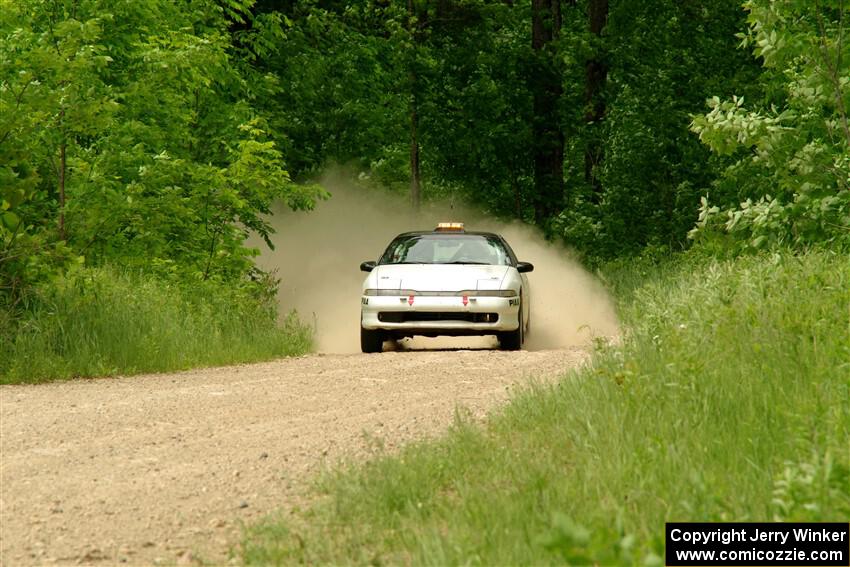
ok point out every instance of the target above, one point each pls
(371, 341)
(512, 340)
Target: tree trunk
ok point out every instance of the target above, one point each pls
(415, 183)
(61, 174)
(597, 74)
(548, 144)
(517, 194)
(415, 180)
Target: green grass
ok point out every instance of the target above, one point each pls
(99, 322)
(728, 400)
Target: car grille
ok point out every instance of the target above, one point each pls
(411, 316)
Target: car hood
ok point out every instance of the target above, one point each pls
(439, 277)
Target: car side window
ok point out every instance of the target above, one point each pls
(399, 250)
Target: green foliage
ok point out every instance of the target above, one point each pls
(812, 490)
(790, 154)
(129, 136)
(663, 57)
(348, 67)
(475, 111)
(728, 400)
(344, 75)
(106, 321)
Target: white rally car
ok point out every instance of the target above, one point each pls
(445, 282)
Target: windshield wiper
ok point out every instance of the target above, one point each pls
(475, 263)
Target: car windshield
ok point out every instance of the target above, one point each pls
(446, 249)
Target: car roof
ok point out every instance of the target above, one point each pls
(447, 233)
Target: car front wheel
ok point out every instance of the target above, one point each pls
(512, 340)
(371, 341)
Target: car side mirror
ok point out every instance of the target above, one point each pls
(367, 266)
(523, 267)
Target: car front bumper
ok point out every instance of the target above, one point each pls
(436, 315)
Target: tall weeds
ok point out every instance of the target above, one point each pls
(102, 321)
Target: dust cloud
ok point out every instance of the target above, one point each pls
(317, 256)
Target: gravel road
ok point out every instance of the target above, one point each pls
(164, 469)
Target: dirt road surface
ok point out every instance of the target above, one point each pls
(164, 469)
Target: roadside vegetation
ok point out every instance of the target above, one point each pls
(134, 163)
(106, 321)
(728, 400)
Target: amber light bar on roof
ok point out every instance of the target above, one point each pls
(449, 227)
